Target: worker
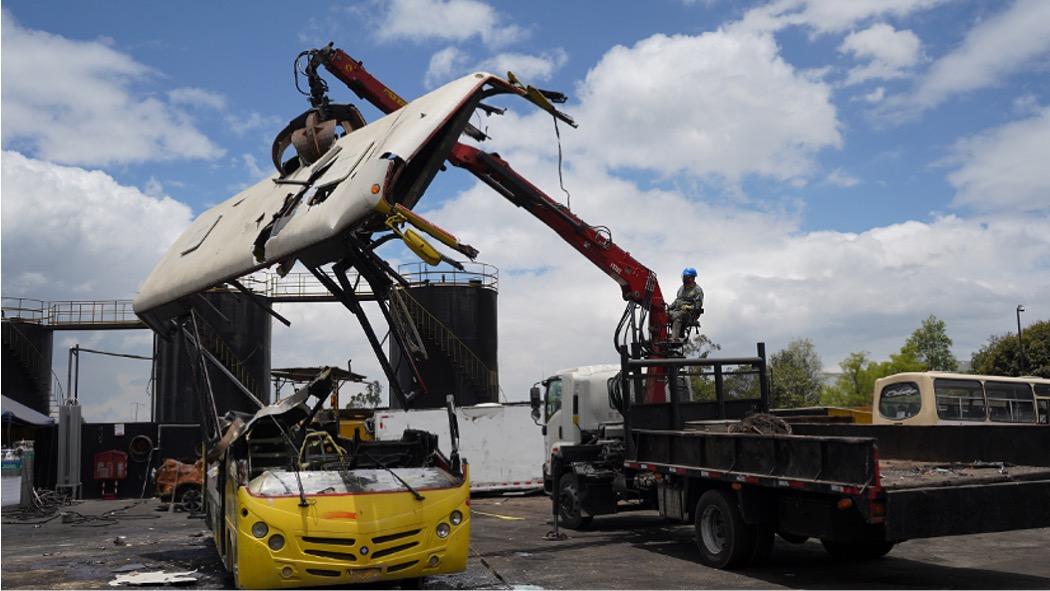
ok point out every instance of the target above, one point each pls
(689, 304)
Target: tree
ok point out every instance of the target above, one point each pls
(700, 346)
(1001, 355)
(796, 375)
(369, 398)
(932, 346)
(856, 384)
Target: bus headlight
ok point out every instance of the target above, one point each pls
(442, 530)
(260, 529)
(456, 518)
(276, 542)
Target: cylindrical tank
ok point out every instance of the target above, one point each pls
(237, 332)
(27, 348)
(455, 315)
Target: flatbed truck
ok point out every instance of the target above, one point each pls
(858, 488)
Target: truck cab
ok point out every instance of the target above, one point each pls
(573, 406)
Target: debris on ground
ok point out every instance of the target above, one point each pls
(154, 578)
(128, 568)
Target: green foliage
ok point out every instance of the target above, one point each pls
(1002, 356)
(931, 345)
(857, 382)
(369, 398)
(700, 347)
(796, 375)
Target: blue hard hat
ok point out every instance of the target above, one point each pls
(688, 272)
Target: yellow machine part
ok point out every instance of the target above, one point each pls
(348, 426)
(341, 539)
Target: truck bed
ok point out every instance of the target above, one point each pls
(904, 474)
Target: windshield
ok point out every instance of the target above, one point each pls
(280, 483)
(553, 398)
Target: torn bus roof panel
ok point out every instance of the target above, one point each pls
(278, 219)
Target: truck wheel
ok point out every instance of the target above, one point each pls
(190, 499)
(725, 541)
(869, 550)
(570, 512)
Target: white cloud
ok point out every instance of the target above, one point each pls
(1005, 167)
(889, 53)
(446, 20)
(445, 65)
(81, 232)
(874, 96)
(61, 95)
(241, 125)
(723, 104)
(991, 51)
(841, 178)
(452, 62)
(527, 67)
(828, 16)
(197, 97)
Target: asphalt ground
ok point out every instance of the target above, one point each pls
(627, 551)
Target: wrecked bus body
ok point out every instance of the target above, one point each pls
(289, 501)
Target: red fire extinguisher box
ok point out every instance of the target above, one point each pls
(111, 465)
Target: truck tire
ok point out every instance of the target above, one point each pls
(190, 499)
(868, 550)
(570, 512)
(725, 541)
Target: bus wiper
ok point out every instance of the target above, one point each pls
(408, 486)
(293, 455)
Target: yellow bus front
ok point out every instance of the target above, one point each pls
(357, 526)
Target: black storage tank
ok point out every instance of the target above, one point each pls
(26, 367)
(241, 341)
(455, 314)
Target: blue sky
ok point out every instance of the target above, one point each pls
(837, 170)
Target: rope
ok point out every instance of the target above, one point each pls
(561, 181)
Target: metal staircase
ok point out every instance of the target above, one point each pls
(458, 353)
(216, 345)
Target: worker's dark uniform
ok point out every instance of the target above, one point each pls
(685, 308)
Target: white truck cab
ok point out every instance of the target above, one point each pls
(571, 406)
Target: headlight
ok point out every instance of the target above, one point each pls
(276, 542)
(456, 518)
(442, 530)
(259, 529)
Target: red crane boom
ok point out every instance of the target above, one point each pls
(637, 282)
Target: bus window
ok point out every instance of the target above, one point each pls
(900, 401)
(553, 398)
(959, 400)
(1042, 391)
(1010, 402)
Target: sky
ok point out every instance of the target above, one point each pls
(836, 171)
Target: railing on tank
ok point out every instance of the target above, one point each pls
(472, 274)
(25, 309)
(72, 313)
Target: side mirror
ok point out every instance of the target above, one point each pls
(534, 401)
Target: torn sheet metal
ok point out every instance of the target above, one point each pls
(154, 578)
(304, 214)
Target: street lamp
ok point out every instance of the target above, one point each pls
(1020, 343)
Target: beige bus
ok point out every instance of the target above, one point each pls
(941, 398)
